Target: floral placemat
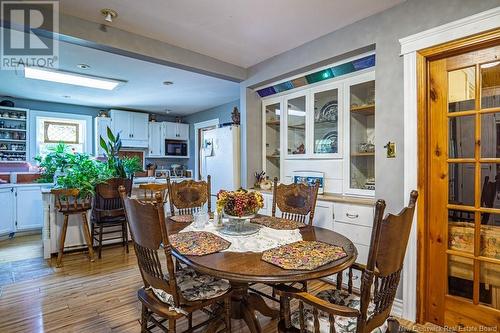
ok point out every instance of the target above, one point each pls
(198, 243)
(182, 218)
(303, 255)
(277, 223)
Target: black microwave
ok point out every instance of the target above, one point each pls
(176, 148)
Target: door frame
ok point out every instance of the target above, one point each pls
(197, 127)
(468, 33)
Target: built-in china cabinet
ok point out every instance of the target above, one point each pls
(334, 120)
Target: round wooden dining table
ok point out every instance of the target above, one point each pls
(245, 268)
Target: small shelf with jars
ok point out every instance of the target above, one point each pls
(360, 177)
(272, 142)
(13, 134)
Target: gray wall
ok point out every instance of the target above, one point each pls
(223, 112)
(384, 30)
(57, 107)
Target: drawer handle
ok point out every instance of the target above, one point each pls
(352, 216)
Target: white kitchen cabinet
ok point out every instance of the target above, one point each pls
(7, 210)
(156, 139)
(323, 215)
(29, 208)
(176, 131)
(101, 130)
(133, 127)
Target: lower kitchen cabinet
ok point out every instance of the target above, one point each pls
(29, 206)
(7, 210)
(21, 209)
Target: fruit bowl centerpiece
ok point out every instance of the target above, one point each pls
(239, 207)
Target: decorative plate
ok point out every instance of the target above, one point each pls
(182, 218)
(277, 223)
(198, 243)
(329, 112)
(303, 255)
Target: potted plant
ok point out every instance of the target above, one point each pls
(239, 206)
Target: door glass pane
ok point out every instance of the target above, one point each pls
(490, 235)
(273, 119)
(362, 135)
(461, 184)
(461, 230)
(461, 137)
(326, 122)
(489, 186)
(490, 284)
(490, 135)
(296, 118)
(490, 85)
(460, 276)
(461, 89)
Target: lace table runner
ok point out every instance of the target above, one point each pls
(265, 239)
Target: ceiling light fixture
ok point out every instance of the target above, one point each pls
(109, 14)
(168, 83)
(71, 78)
(83, 66)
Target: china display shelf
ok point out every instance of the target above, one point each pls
(298, 127)
(364, 109)
(359, 154)
(273, 156)
(15, 119)
(13, 140)
(12, 151)
(12, 129)
(273, 123)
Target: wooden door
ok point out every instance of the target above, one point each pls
(464, 190)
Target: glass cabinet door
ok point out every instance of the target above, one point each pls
(296, 126)
(272, 139)
(326, 122)
(362, 136)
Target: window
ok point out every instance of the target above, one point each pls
(51, 131)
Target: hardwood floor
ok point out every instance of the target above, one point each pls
(85, 297)
(20, 248)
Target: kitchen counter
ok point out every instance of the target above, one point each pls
(333, 197)
(44, 185)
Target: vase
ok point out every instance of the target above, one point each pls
(238, 225)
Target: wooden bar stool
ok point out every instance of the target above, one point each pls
(68, 203)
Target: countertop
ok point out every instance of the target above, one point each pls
(333, 197)
(7, 185)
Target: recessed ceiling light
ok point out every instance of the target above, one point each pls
(168, 111)
(71, 78)
(109, 14)
(83, 66)
(66, 96)
(168, 83)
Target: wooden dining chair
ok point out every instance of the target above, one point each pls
(340, 310)
(150, 189)
(108, 213)
(295, 201)
(188, 196)
(169, 294)
(68, 202)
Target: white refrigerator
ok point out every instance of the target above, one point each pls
(221, 159)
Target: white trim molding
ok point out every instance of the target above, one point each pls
(462, 28)
(197, 126)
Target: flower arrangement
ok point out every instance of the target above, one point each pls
(239, 203)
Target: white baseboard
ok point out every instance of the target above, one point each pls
(397, 308)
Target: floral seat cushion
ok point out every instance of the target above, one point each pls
(342, 324)
(194, 286)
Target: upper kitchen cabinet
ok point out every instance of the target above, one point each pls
(360, 162)
(177, 131)
(271, 113)
(133, 127)
(156, 139)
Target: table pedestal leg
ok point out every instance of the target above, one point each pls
(245, 304)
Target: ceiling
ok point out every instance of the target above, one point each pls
(240, 32)
(144, 90)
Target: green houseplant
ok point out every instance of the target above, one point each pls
(118, 167)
